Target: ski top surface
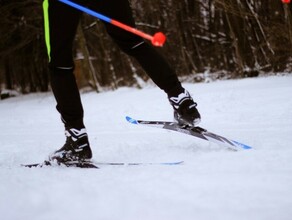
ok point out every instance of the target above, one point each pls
(96, 165)
(139, 163)
(198, 132)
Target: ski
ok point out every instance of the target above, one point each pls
(198, 132)
(139, 163)
(96, 165)
(79, 164)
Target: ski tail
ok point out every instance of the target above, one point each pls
(132, 120)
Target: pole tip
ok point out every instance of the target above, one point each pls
(158, 39)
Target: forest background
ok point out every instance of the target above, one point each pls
(206, 40)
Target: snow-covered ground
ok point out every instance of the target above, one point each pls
(213, 183)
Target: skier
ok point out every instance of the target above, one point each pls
(60, 27)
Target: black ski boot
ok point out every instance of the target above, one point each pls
(185, 109)
(76, 148)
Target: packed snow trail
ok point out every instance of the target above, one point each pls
(213, 183)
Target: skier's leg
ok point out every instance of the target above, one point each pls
(61, 24)
(154, 64)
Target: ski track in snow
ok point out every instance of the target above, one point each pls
(213, 183)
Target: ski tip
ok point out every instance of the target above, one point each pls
(131, 120)
(241, 145)
(173, 163)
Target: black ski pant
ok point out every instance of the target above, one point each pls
(62, 22)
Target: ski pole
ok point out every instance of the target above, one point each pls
(157, 39)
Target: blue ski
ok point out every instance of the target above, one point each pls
(192, 131)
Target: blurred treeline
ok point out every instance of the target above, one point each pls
(205, 38)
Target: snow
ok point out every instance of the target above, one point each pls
(213, 183)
